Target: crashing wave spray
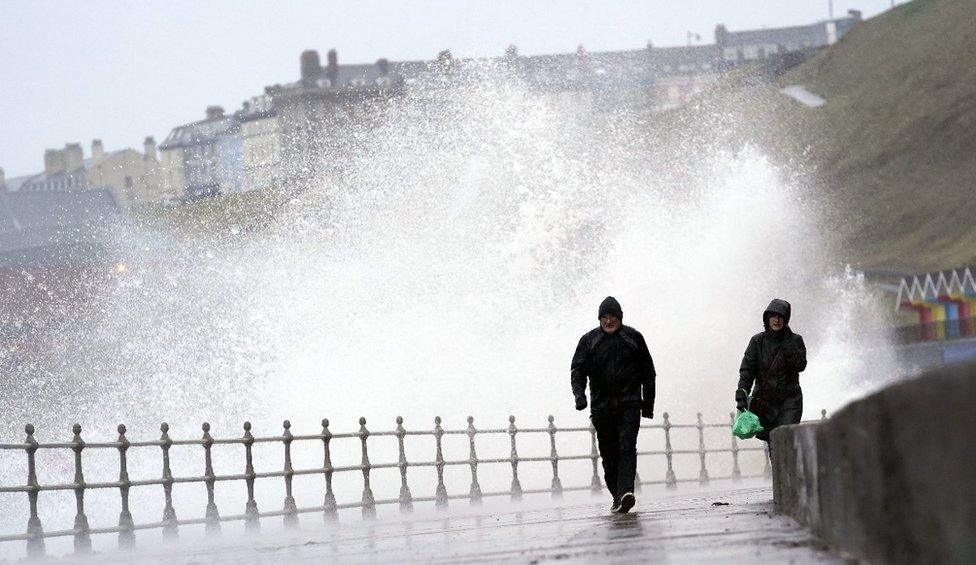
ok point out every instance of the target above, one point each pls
(445, 262)
(449, 259)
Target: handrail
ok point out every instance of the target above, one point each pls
(169, 524)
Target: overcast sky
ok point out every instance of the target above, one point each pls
(120, 70)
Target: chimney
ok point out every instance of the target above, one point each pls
(98, 152)
(384, 67)
(3, 179)
(53, 161)
(332, 72)
(856, 15)
(215, 112)
(721, 35)
(73, 157)
(149, 147)
(311, 66)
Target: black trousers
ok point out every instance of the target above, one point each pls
(788, 410)
(616, 437)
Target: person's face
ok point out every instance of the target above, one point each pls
(776, 322)
(609, 323)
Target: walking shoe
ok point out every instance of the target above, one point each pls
(627, 501)
(615, 509)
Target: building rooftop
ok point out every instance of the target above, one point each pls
(42, 229)
(199, 132)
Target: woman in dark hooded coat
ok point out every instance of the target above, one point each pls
(769, 377)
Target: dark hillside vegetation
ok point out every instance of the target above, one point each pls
(895, 144)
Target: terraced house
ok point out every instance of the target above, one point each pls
(132, 178)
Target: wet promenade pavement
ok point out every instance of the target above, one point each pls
(724, 526)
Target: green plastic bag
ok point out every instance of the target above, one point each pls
(746, 425)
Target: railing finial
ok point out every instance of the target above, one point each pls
(516, 484)
(329, 503)
(736, 472)
(670, 480)
(369, 502)
(35, 544)
(169, 513)
(475, 492)
(595, 486)
(440, 495)
(289, 507)
(127, 537)
(406, 499)
(557, 485)
(703, 473)
(212, 517)
(82, 540)
(252, 522)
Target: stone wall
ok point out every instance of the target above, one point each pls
(891, 477)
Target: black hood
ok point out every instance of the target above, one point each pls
(777, 306)
(610, 306)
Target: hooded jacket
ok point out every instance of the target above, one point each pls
(618, 366)
(773, 383)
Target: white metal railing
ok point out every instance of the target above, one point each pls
(169, 523)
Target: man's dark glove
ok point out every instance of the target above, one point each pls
(740, 405)
(647, 412)
(581, 403)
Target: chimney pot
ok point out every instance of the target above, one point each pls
(311, 66)
(332, 72)
(53, 161)
(149, 147)
(73, 157)
(97, 151)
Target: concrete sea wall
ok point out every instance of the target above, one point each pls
(891, 477)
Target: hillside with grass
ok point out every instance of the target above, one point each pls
(894, 147)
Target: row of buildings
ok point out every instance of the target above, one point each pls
(278, 137)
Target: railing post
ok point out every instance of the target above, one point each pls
(127, 537)
(440, 497)
(670, 480)
(82, 541)
(35, 545)
(557, 485)
(516, 484)
(291, 510)
(703, 473)
(595, 487)
(169, 513)
(369, 503)
(736, 472)
(767, 469)
(329, 503)
(252, 523)
(212, 516)
(406, 499)
(475, 493)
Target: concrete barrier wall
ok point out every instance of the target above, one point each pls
(891, 477)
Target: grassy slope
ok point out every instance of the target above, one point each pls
(243, 211)
(895, 145)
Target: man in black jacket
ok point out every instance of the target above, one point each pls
(615, 359)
